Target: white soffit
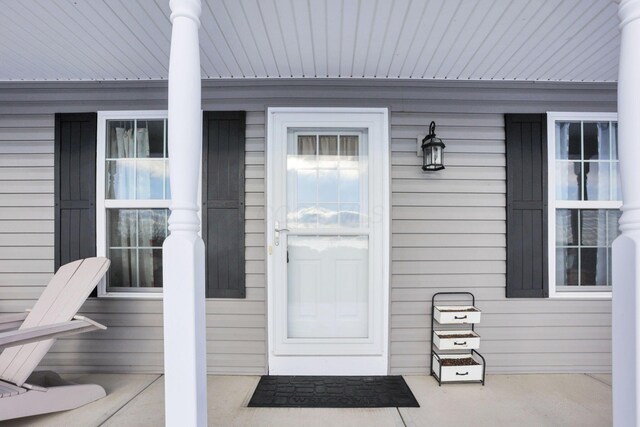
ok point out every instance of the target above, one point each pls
(535, 40)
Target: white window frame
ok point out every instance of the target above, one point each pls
(553, 204)
(102, 204)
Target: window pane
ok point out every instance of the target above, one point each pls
(322, 191)
(306, 183)
(349, 185)
(148, 176)
(150, 138)
(150, 179)
(593, 227)
(593, 266)
(613, 218)
(568, 140)
(566, 267)
(119, 179)
(328, 185)
(150, 268)
(304, 216)
(609, 267)
(120, 139)
(596, 141)
(349, 145)
(167, 181)
(152, 227)
(588, 251)
(616, 189)
(350, 215)
(328, 215)
(614, 140)
(307, 145)
(328, 145)
(328, 149)
(566, 227)
(568, 178)
(121, 227)
(123, 270)
(597, 185)
(135, 238)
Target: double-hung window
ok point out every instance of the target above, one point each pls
(584, 202)
(133, 197)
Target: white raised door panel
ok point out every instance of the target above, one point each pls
(327, 284)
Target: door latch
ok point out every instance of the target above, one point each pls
(276, 235)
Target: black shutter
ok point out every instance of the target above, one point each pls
(223, 203)
(527, 257)
(75, 187)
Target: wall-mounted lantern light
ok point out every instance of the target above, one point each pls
(432, 151)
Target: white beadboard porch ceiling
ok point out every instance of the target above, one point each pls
(536, 40)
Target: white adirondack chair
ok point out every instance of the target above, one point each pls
(26, 338)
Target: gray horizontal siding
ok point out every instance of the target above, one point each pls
(465, 206)
(26, 208)
(236, 331)
(448, 229)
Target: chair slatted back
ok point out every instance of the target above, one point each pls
(60, 301)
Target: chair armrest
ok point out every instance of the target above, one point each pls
(11, 321)
(40, 333)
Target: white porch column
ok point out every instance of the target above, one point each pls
(626, 248)
(185, 363)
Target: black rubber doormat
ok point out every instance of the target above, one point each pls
(332, 392)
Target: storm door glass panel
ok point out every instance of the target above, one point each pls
(328, 242)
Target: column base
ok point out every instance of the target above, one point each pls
(185, 356)
(626, 314)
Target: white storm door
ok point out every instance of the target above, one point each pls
(328, 241)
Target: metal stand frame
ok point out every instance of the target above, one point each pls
(438, 375)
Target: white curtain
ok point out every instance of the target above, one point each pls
(146, 221)
(134, 226)
(143, 169)
(349, 145)
(562, 152)
(119, 185)
(328, 145)
(604, 177)
(563, 216)
(601, 263)
(125, 228)
(306, 145)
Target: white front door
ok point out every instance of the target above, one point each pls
(328, 241)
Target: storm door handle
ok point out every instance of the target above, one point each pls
(276, 235)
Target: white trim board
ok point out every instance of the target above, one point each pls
(364, 356)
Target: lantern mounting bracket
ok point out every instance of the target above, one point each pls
(420, 138)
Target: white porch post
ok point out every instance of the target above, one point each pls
(185, 364)
(626, 248)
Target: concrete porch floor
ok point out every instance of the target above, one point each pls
(505, 400)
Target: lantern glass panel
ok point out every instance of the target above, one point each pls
(428, 156)
(437, 155)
